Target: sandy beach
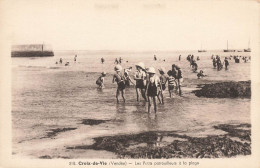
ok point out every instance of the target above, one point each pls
(61, 107)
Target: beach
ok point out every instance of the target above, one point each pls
(60, 107)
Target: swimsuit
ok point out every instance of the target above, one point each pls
(140, 80)
(120, 82)
(153, 84)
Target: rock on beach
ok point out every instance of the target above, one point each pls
(241, 89)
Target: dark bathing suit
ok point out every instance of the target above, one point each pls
(140, 83)
(152, 90)
(120, 82)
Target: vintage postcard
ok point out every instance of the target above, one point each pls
(129, 83)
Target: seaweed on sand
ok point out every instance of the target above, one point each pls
(240, 89)
(147, 144)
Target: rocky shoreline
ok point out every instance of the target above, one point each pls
(241, 89)
(169, 144)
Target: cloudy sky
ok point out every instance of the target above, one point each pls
(132, 25)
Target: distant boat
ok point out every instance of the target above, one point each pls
(248, 49)
(31, 50)
(227, 50)
(201, 49)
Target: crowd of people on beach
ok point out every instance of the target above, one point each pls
(151, 86)
(147, 83)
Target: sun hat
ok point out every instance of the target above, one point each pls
(118, 68)
(140, 64)
(103, 73)
(162, 69)
(177, 67)
(151, 70)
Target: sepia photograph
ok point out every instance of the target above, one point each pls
(130, 83)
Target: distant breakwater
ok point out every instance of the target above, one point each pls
(32, 54)
(32, 50)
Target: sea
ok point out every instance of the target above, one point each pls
(48, 96)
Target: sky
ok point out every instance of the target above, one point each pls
(133, 25)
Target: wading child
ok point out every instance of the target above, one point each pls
(163, 80)
(226, 63)
(127, 77)
(120, 80)
(177, 73)
(100, 80)
(219, 64)
(171, 83)
(153, 87)
(140, 78)
(195, 66)
(200, 74)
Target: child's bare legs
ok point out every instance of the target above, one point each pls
(180, 90)
(154, 104)
(162, 97)
(117, 93)
(149, 104)
(143, 94)
(123, 93)
(158, 96)
(137, 94)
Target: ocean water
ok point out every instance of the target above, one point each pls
(49, 96)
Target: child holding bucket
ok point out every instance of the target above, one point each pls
(153, 88)
(120, 80)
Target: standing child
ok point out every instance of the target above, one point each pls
(120, 80)
(178, 76)
(153, 87)
(100, 80)
(226, 63)
(140, 78)
(171, 82)
(128, 79)
(163, 80)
